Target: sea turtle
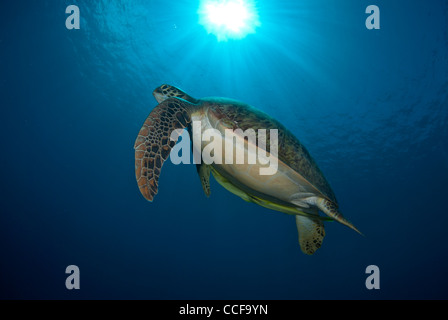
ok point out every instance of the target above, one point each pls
(298, 187)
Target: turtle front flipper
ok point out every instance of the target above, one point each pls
(311, 233)
(153, 144)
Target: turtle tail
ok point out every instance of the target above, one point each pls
(331, 210)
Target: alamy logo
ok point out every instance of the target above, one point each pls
(373, 280)
(373, 20)
(72, 281)
(72, 21)
(234, 147)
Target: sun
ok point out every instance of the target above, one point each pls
(229, 19)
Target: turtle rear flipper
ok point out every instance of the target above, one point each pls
(204, 174)
(153, 144)
(311, 233)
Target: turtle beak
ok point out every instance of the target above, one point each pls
(158, 94)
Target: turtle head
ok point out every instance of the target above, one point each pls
(166, 91)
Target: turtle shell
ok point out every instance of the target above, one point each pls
(290, 150)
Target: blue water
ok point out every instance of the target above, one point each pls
(371, 106)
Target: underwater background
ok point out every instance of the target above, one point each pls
(371, 106)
